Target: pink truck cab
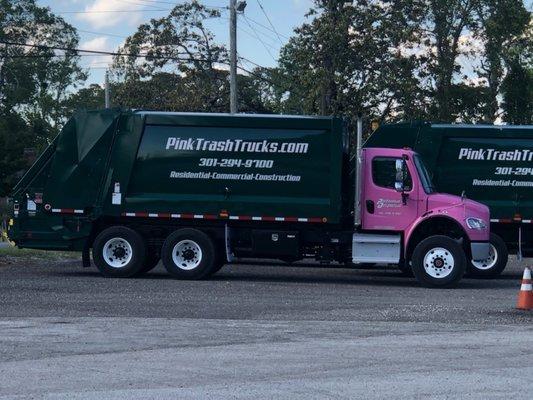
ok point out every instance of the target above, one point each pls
(402, 219)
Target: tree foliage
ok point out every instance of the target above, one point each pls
(442, 60)
(34, 81)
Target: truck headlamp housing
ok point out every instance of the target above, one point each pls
(476, 223)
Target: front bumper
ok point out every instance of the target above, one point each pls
(480, 250)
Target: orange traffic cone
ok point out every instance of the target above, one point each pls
(525, 296)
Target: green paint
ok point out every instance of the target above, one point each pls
(179, 163)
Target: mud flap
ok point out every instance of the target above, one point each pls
(86, 255)
(227, 235)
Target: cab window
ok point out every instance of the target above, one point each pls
(384, 173)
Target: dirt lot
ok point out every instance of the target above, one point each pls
(259, 331)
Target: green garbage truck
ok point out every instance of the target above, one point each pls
(197, 190)
(489, 163)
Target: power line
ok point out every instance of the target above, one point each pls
(264, 35)
(112, 53)
(113, 11)
(253, 35)
(259, 38)
(267, 28)
(141, 4)
(270, 22)
(138, 4)
(174, 3)
(251, 62)
(137, 10)
(103, 34)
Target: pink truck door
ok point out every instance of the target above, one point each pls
(382, 205)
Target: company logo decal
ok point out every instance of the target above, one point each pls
(388, 203)
(235, 145)
(467, 153)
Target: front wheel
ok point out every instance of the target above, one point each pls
(495, 264)
(438, 261)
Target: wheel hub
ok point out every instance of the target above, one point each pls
(187, 255)
(117, 252)
(439, 262)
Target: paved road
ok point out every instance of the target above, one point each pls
(259, 332)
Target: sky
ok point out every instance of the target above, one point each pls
(104, 25)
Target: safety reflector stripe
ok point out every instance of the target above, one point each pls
(230, 217)
(66, 211)
(510, 221)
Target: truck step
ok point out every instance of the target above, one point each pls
(373, 248)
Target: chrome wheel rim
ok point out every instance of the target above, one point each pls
(187, 254)
(438, 262)
(117, 252)
(489, 262)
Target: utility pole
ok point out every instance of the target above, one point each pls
(234, 7)
(333, 12)
(106, 90)
(233, 56)
(328, 84)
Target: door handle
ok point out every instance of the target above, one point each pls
(370, 206)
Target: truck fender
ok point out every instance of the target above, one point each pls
(434, 224)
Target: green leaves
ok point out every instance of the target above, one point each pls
(176, 43)
(440, 60)
(33, 82)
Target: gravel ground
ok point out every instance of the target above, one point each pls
(259, 331)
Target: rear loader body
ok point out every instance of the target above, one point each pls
(197, 190)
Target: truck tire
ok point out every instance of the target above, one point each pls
(438, 261)
(119, 252)
(495, 264)
(189, 254)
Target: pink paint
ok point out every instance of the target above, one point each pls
(391, 214)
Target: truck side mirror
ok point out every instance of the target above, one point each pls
(399, 183)
(401, 178)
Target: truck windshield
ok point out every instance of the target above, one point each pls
(425, 178)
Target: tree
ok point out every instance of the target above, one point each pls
(517, 86)
(34, 81)
(500, 21)
(441, 29)
(15, 137)
(178, 43)
(351, 59)
(517, 91)
(88, 98)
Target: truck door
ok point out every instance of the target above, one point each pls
(385, 206)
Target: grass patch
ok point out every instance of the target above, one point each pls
(10, 254)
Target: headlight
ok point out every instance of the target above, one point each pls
(476, 223)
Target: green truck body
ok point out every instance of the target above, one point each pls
(111, 164)
(490, 164)
(196, 190)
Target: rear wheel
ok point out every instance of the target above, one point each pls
(438, 261)
(189, 254)
(119, 252)
(495, 264)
